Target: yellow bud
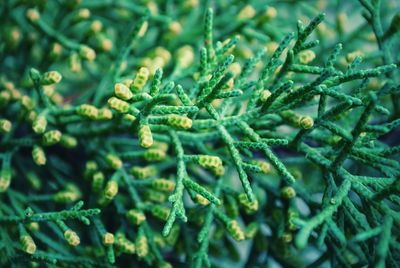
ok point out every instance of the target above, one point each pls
(306, 56)
(287, 237)
(288, 192)
(163, 185)
(5, 126)
(39, 124)
(75, 64)
(56, 50)
(209, 161)
(82, 14)
(175, 28)
(97, 181)
(122, 91)
(27, 103)
(88, 111)
(106, 44)
(154, 196)
(201, 200)
(235, 68)
(154, 155)
(113, 161)
(118, 105)
(163, 53)
(143, 172)
(306, 122)
(87, 53)
(12, 36)
(38, 155)
(160, 212)
(135, 216)
(185, 56)
(145, 136)
(235, 231)
(49, 78)
(160, 146)
(66, 196)
(251, 207)
(33, 15)
(72, 238)
(265, 94)
(179, 121)
(8, 85)
(270, 13)
(34, 181)
(5, 97)
(90, 167)
(33, 226)
(218, 171)
(96, 26)
(31, 116)
(68, 141)
(49, 90)
(140, 80)
(352, 56)
(142, 248)
(108, 239)
(111, 190)
(124, 244)
(5, 180)
(104, 114)
(152, 6)
(15, 94)
(28, 245)
(143, 29)
(51, 137)
(246, 13)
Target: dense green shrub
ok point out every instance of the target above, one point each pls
(201, 133)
